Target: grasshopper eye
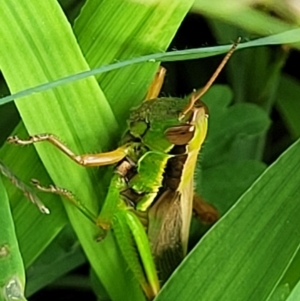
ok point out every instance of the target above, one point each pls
(180, 135)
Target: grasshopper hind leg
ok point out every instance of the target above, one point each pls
(204, 212)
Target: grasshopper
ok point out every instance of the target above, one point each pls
(151, 196)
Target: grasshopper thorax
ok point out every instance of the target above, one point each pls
(158, 125)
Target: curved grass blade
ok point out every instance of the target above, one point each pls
(288, 37)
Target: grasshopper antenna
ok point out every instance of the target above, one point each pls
(196, 95)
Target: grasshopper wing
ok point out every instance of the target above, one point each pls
(164, 232)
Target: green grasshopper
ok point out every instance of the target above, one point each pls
(151, 196)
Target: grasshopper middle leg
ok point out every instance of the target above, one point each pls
(68, 195)
(27, 191)
(99, 159)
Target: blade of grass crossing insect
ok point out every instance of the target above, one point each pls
(288, 37)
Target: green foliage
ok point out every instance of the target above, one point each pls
(254, 245)
(288, 104)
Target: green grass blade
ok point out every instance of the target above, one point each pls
(280, 293)
(247, 252)
(292, 274)
(288, 37)
(12, 273)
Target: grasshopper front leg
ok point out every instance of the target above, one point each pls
(87, 160)
(110, 207)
